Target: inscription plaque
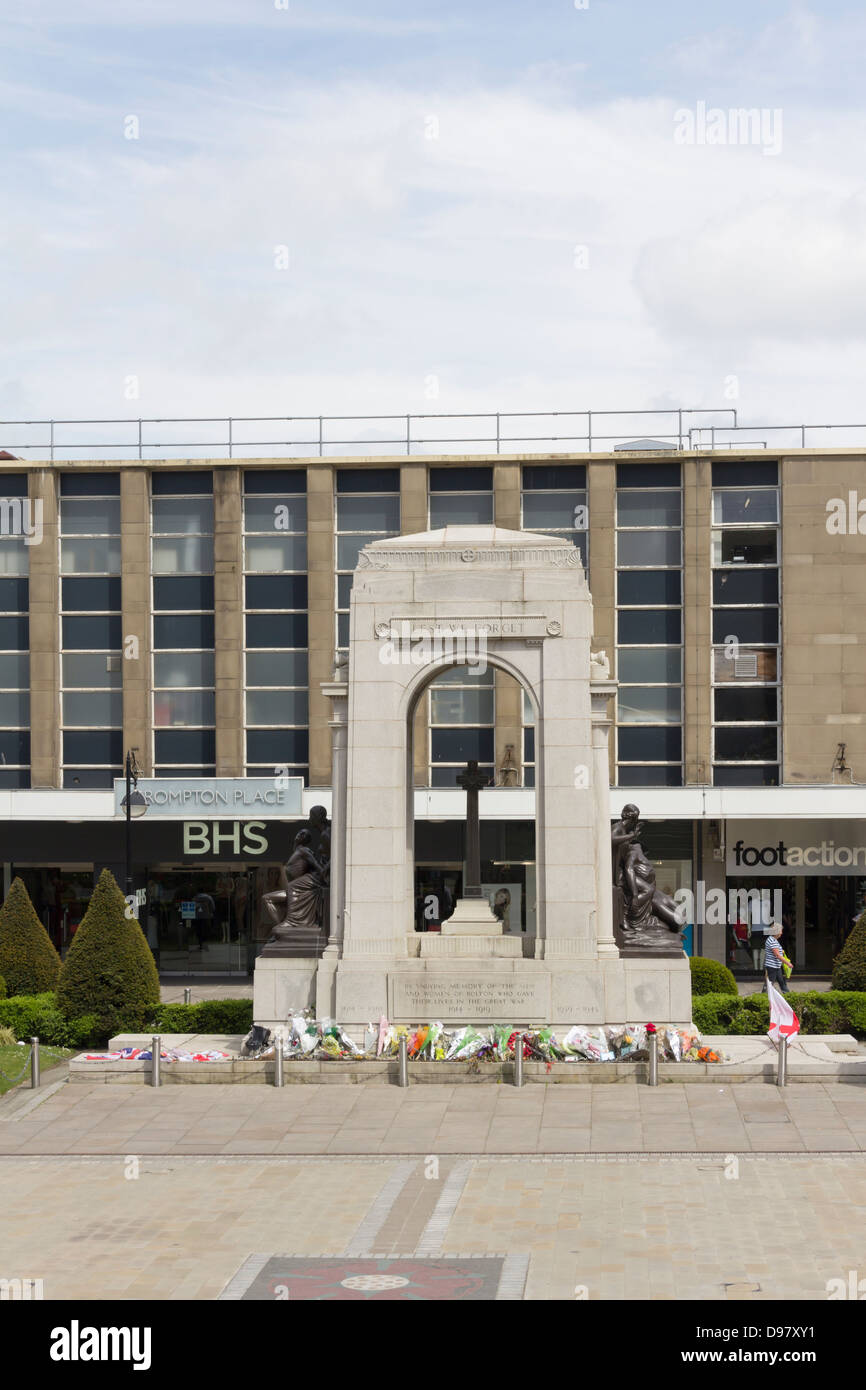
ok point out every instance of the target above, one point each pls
(461, 999)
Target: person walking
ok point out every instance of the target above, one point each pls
(774, 958)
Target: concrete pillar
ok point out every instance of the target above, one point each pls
(506, 495)
(321, 607)
(229, 637)
(697, 639)
(45, 635)
(337, 691)
(413, 498)
(601, 503)
(601, 693)
(136, 606)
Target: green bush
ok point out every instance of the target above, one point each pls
(830, 1011)
(35, 1016)
(711, 977)
(29, 963)
(849, 967)
(209, 1016)
(109, 970)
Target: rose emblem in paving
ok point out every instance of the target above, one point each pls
(289, 1277)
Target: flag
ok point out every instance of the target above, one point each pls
(784, 1023)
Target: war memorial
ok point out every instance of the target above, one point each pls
(607, 948)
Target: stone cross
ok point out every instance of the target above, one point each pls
(472, 781)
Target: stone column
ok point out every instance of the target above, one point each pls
(601, 691)
(44, 635)
(136, 601)
(229, 636)
(337, 691)
(321, 608)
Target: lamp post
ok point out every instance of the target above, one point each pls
(135, 805)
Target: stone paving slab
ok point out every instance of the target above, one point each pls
(315, 1120)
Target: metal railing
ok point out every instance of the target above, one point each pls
(498, 432)
(304, 436)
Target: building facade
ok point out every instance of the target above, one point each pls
(190, 610)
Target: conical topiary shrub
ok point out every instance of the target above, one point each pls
(109, 970)
(849, 967)
(28, 961)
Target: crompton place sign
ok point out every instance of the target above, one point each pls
(769, 849)
(215, 797)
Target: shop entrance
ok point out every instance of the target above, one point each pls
(202, 921)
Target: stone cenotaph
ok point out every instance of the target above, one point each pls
(519, 600)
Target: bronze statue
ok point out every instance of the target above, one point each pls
(301, 895)
(647, 917)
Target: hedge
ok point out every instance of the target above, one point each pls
(2, 988)
(109, 968)
(28, 961)
(209, 1016)
(711, 977)
(828, 1011)
(849, 967)
(37, 1016)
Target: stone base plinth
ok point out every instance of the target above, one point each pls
(472, 917)
(435, 945)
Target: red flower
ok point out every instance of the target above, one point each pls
(651, 1028)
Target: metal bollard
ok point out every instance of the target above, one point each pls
(653, 1069)
(518, 1060)
(187, 995)
(155, 1049)
(34, 1064)
(782, 1073)
(278, 1060)
(403, 1061)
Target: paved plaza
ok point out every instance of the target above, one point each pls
(599, 1192)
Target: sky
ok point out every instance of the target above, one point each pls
(358, 207)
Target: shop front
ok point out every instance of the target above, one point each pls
(818, 869)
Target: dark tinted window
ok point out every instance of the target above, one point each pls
(13, 595)
(745, 586)
(93, 746)
(14, 634)
(185, 745)
(101, 633)
(648, 475)
(746, 624)
(461, 479)
(183, 592)
(90, 777)
(651, 745)
(650, 586)
(13, 484)
(273, 481)
(554, 475)
(180, 630)
(651, 627)
(459, 745)
(276, 591)
(91, 595)
(277, 746)
(14, 746)
(757, 776)
(650, 776)
(368, 480)
(181, 484)
(747, 473)
(276, 630)
(754, 705)
(89, 484)
(738, 745)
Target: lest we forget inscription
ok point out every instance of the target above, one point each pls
(461, 998)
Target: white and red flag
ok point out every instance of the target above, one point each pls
(784, 1023)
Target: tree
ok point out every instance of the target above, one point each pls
(109, 970)
(849, 967)
(28, 961)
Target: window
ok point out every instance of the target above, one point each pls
(554, 501)
(183, 624)
(462, 718)
(14, 636)
(528, 742)
(460, 497)
(746, 619)
(649, 624)
(91, 637)
(275, 589)
(368, 509)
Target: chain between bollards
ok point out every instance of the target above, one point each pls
(155, 1049)
(403, 1061)
(653, 1069)
(782, 1073)
(278, 1059)
(518, 1059)
(34, 1064)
